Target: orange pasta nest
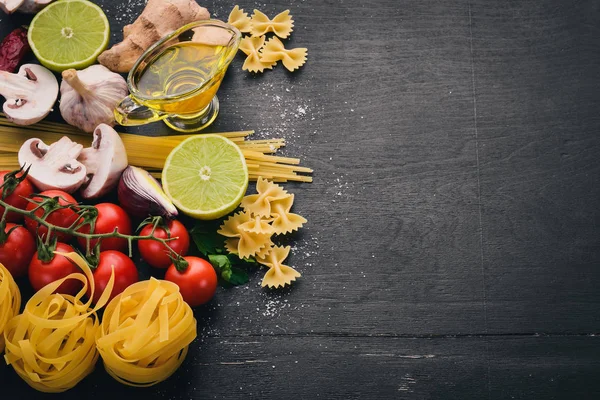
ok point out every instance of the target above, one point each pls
(52, 344)
(10, 301)
(145, 333)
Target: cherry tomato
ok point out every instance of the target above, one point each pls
(155, 253)
(17, 251)
(41, 273)
(18, 198)
(197, 284)
(63, 218)
(110, 216)
(126, 273)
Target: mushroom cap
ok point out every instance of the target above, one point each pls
(54, 166)
(9, 6)
(105, 161)
(33, 6)
(28, 100)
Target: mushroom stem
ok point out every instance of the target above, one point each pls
(13, 86)
(70, 75)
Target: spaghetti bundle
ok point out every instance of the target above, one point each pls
(150, 152)
(52, 345)
(10, 301)
(145, 333)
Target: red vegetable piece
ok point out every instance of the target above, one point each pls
(12, 49)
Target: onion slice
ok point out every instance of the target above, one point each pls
(141, 195)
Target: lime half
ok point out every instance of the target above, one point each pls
(205, 176)
(69, 34)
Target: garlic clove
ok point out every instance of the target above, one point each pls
(141, 195)
(89, 96)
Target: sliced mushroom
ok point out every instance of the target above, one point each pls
(104, 161)
(33, 6)
(30, 93)
(9, 6)
(54, 166)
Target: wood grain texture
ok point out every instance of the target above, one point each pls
(453, 218)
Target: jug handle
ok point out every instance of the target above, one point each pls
(131, 113)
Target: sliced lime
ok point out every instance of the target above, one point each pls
(69, 34)
(205, 176)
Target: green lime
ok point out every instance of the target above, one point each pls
(205, 176)
(69, 34)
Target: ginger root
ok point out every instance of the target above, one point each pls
(159, 18)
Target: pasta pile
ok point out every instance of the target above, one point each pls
(52, 345)
(249, 233)
(150, 152)
(10, 301)
(145, 333)
(261, 55)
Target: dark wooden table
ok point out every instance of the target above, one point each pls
(453, 244)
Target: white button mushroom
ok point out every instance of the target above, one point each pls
(9, 6)
(33, 6)
(54, 166)
(30, 93)
(104, 161)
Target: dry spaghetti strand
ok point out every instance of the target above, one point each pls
(150, 152)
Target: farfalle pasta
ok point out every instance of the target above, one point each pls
(260, 203)
(145, 333)
(282, 25)
(285, 221)
(52, 345)
(250, 46)
(10, 301)
(274, 51)
(278, 274)
(240, 20)
(248, 243)
(249, 233)
(261, 55)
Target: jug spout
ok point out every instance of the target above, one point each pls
(131, 113)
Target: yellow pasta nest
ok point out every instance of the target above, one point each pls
(10, 301)
(145, 333)
(52, 344)
(249, 233)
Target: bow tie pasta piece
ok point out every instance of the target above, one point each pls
(145, 333)
(260, 204)
(250, 47)
(258, 225)
(282, 25)
(52, 345)
(10, 301)
(278, 274)
(240, 20)
(274, 51)
(285, 221)
(249, 243)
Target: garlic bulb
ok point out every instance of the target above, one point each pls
(88, 97)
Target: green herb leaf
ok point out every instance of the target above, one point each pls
(206, 238)
(238, 276)
(222, 264)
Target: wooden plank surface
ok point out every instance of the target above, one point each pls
(453, 243)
